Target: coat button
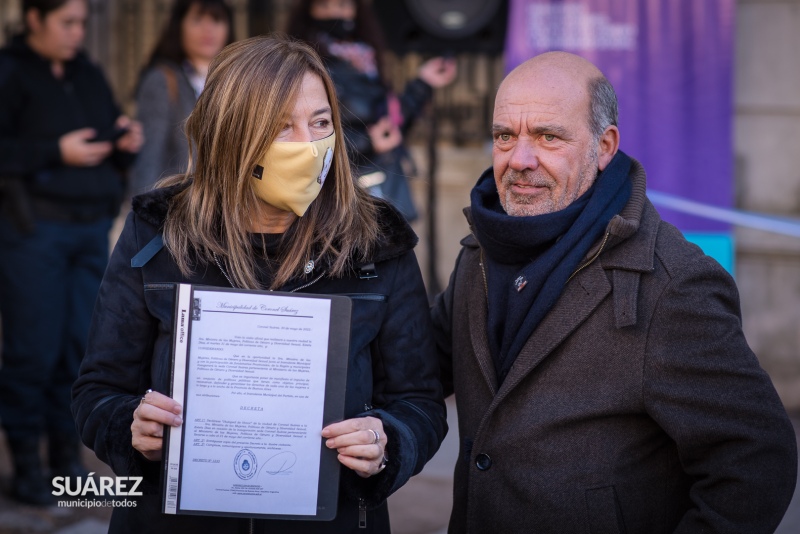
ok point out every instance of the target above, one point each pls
(483, 462)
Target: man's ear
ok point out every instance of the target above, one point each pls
(607, 147)
(33, 20)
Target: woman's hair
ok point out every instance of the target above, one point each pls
(170, 45)
(251, 88)
(44, 7)
(367, 28)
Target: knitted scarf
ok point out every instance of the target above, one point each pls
(529, 259)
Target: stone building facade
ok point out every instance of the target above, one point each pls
(767, 151)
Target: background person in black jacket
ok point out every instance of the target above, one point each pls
(348, 36)
(60, 165)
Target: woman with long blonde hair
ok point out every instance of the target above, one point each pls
(247, 215)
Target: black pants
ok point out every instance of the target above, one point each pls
(48, 284)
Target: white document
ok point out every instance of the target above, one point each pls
(254, 386)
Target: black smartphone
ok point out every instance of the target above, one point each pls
(110, 135)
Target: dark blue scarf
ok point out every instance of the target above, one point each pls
(539, 253)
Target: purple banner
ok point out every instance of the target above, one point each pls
(670, 62)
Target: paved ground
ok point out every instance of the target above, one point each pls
(19, 519)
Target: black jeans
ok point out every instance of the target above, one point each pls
(48, 284)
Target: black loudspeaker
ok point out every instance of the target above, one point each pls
(443, 26)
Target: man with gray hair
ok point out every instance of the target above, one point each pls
(603, 381)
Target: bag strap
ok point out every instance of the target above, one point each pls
(146, 254)
(172, 83)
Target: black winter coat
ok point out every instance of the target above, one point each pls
(392, 370)
(363, 102)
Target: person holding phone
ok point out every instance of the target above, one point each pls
(61, 180)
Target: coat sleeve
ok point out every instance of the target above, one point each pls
(413, 100)
(703, 385)
(409, 395)
(114, 373)
(153, 110)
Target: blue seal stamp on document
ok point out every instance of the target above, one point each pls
(245, 464)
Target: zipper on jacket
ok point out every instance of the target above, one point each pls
(418, 410)
(362, 514)
(487, 371)
(375, 297)
(485, 283)
(252, 528)
(591, 260)
(158, 286)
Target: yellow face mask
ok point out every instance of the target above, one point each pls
(290, 175)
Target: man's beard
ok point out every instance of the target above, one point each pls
(529, 205)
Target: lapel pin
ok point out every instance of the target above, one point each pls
(520, 283)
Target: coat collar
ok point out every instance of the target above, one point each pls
(395, 238)
(636, 224)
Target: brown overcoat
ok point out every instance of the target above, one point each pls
(636, 405)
